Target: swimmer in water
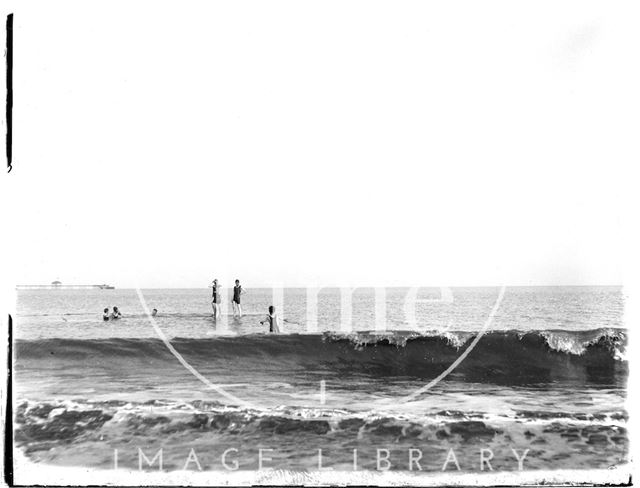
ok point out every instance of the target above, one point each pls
(105, 314)
(237, 291)
(115, 315)
(154, 312)
(273, 320)
(215, 299)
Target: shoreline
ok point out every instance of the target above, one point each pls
(29, 473)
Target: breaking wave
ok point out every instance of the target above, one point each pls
(501, 357)
(40, 423)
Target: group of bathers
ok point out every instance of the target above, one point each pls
(115, 315)
(215, 296)
(216, 300)
(271, 318)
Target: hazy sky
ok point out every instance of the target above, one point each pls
(345, 143)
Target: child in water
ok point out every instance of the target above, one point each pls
(105, 314)
(115, 314)
(273, 320)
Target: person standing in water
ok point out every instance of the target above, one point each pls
(237, 291)
(105, 314)
(215, 299)
(273, 320)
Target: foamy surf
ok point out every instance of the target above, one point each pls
(30, 473)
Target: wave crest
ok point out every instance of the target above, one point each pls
(501, 357)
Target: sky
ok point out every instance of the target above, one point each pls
(322, 143)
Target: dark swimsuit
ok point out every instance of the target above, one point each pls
(215, 294)
(236, 294)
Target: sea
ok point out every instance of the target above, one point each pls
(396, 379)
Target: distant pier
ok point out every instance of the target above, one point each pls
(57, 285)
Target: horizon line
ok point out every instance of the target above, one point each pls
(557, 285)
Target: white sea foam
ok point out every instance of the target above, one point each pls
(29, 473)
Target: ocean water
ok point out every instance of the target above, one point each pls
(546, 383)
